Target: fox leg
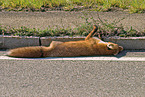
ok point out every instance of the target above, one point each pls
(92, 32)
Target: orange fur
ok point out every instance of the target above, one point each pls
(88, 47)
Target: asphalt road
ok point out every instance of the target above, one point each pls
(42, 20)
(21, 78)
(75, 78)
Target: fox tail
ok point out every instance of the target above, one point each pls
(27, 52)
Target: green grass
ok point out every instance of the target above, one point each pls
(134, 6)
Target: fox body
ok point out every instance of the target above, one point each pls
(88, 47)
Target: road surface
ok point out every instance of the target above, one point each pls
(72, 78)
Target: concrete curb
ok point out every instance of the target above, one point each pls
(8, 42)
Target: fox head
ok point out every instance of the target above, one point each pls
(115, 48)
(109, 48)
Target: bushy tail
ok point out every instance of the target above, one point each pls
(27, 52)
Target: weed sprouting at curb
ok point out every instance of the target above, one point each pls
(25, 31)
(107, 29)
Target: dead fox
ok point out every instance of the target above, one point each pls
(88, 47)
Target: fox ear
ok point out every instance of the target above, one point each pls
(110, 46)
